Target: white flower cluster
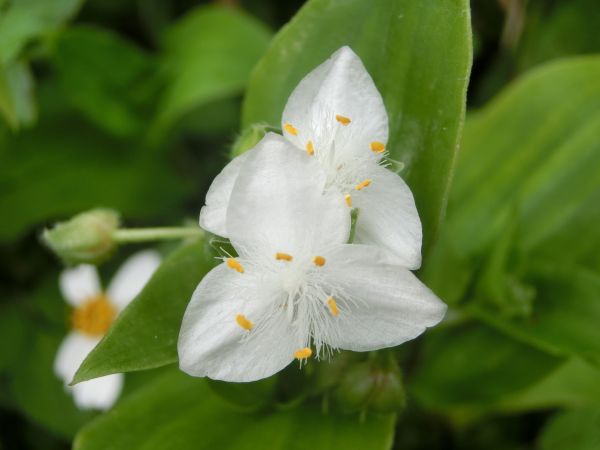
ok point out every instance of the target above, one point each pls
(297, 287)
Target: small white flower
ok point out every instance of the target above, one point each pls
(296, 285)
(93, 313)
(337, 115)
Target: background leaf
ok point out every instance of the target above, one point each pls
(472, 368)
(113, 82)
(177, 411)
(575, 430)
(16, 95)
(547, 167)
(418, 53)
(208, 56)
(64, 166)
(145, 335)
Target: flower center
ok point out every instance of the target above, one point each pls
(94, 317)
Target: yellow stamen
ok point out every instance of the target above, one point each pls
(343, 120)
(319, 261)
(377, 147)
(94, 317)
(362, 185)
(303, 353)
(234, 264)
(283, 257)
(310, 149)
(290, 129)
(333, 306)
(348, 199)
(243, 322)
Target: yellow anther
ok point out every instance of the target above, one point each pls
(343, 120)
(283, 257)
(377, 147)
(243, 322)
(94, 317)
(303, 353)
(290, 129)
(333, 306)
(362, 185)
(234, 264)
(310, 149)
(319, 261)
(348, 199)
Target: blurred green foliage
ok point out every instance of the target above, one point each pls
(135, 105)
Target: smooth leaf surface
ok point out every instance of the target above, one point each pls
(208, 56)
(22, 21)
(180, 412)
(418, 53)
(547, 168)
(17, 103)
(64, 166)
(474, 367)
(575, 430)
(145, 335)
(109, 79)
(574, 384)
(565, 318)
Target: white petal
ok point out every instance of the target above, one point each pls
(71, 353)
(339, 86)
(212, 344)
(388, 217)
(99, 393)
(132, 277)
(214, 212)
(278, 204)
(381, 305)
(79, 283)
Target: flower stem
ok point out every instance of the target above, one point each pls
(125, 235)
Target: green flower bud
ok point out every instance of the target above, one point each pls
(249, 138)
(86, 238)
(355, 388)
(370, 386)
(388, 395)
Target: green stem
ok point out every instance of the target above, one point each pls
(125, 235)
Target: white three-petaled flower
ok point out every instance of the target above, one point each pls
(93, 312)
(337, 116)
(296, 285)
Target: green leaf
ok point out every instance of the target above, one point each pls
(181, 412)
(558, 29)
(24, 20)
(17, 103)
(418, 53)
(208, 56)
(573, 384)
(64, 166)
(566, 314)
(145, 335)
(108, 78)
(472, 368)
(575, 430)
(534, 149)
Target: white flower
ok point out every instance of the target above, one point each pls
(337, 115)
(296, 285)
(93, 313)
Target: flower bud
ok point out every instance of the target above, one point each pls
(388, 395)
(249, 138)
(355, 388)
(86, 238)
(370, 386)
